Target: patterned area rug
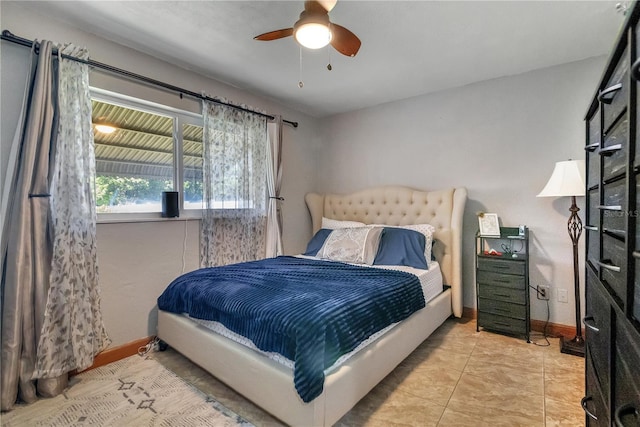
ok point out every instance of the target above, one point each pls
(136, 391)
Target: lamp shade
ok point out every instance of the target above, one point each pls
(567, 179)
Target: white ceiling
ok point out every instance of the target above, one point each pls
(408, 47)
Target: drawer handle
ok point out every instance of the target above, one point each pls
(590, 228)
(635, 254)
(583, 403)
(610, 267)
(502, 281)
(592, 147)
(608, 151)
(615, 232)
(503, 295)
(610, 207)
(587, 320)
(624, 410)
(610, 90)
(502, 310)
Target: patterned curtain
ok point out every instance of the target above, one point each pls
(73, 331)
(51, 321)
(274, 183)
(233, 227)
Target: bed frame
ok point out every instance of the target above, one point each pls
(269, 384)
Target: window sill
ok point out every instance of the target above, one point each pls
(120, 218)
(186, 215)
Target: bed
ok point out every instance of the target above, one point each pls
(269, 384)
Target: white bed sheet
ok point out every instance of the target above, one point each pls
(430, 280)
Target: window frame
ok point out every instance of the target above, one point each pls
(180, 118)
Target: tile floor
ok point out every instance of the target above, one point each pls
(457, 377)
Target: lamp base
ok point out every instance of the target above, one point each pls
(574, 346)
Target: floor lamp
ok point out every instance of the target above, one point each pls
(567, 179)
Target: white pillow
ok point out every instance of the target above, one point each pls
(334, 224)
(357, 245)
(426, 229)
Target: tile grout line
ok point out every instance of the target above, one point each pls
(543, 394)
(459, 378)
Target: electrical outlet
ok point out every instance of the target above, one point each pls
(542, 292)
(562, 295)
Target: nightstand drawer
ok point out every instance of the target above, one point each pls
(502, 280)
(501, 265)
(502, 323)
(498, 293)
(501, 308)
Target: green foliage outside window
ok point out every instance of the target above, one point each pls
(125, 190)
(193, 191)
(118, 190)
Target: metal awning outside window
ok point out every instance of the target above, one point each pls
(142, 145)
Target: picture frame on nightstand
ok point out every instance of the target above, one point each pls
(489, 225)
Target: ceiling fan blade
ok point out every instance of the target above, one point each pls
(328, 5)
(344, 41)
(274, 35)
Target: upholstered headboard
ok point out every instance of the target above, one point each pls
(394, 205)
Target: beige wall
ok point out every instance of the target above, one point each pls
(499, 138)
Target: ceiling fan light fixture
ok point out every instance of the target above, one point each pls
(313, 35)
(314, 30)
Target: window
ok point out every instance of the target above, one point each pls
(192, 166)
(141, 150)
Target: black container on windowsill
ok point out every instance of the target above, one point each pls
(170, 208)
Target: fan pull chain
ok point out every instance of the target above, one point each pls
(300, 83)
(329, 67)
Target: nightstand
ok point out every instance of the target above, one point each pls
(502, 282)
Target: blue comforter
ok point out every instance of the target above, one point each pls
(310, 311)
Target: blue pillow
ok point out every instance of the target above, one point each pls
(317, 241)
(399, 246)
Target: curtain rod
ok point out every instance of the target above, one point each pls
(10, 37)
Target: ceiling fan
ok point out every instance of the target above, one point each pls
(314, 30)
